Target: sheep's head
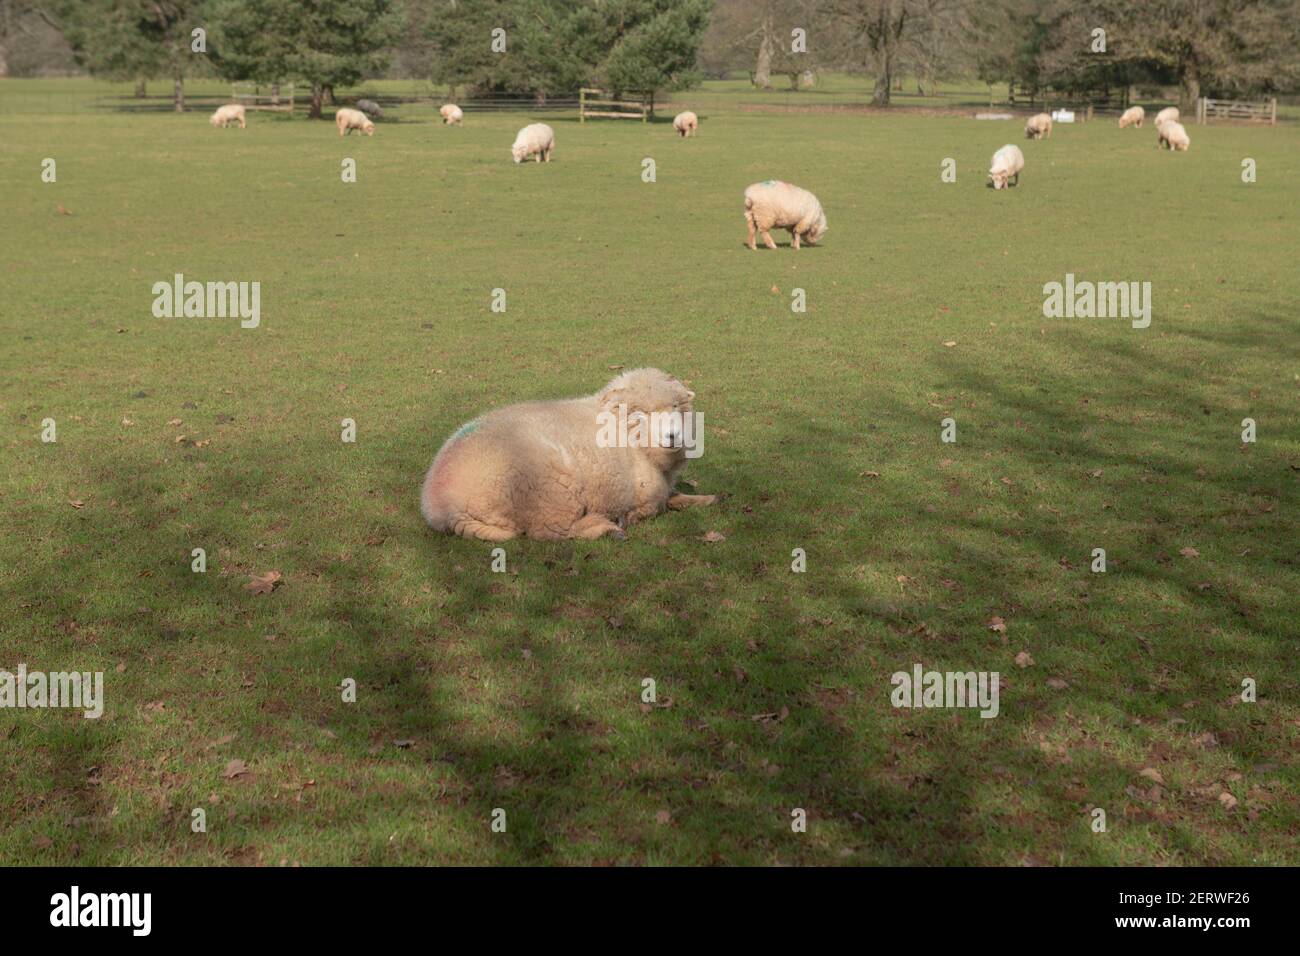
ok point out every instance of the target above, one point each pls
(518, 152)
(215, 119)
(368, 128)
(656, 408)
(999, 178)
(818, 230)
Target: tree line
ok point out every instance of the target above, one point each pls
(549, 47)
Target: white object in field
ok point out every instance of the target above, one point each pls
(1063, 116)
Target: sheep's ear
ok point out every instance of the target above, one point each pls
(611, 397)
(689, 394)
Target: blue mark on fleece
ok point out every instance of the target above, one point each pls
(464, 430)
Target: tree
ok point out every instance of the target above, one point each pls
(133, 39)
(659, 50)
(876, 30)
(326, 43)
(554, 46)
(18, 18)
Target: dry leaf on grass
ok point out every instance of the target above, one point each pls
(264, 583)
(1151, 773)
(1189, 552)
(713, 537)
(235, 768)
(997, 624)
(1024, 659)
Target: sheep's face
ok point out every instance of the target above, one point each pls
(369, 128)
(214, 119)
(999, 178)
(818, 230)
(657, 407)
(518, 152)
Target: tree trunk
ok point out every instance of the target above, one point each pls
(178, 93)
(1191, 90)
(317, 98)
(4, 59)
(141, 90)
(763, 69)
(328, 90)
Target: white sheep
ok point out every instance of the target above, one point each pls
(1006, 166)
(1038, 126)
(1173, 135)
(536, 139)
(1133, 116)
(777, 205)
(452, 114)
(1167, 115)
(225, 115)
(348, 119)
(686, 123)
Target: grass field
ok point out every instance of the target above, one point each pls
(522, 690)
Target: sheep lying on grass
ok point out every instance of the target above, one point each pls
(452, 114)
(549, 469)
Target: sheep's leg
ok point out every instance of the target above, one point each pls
(591, 527)
(1015, 180)
(794, 239)
(768, 240)
(752, 231)
(678, 502)
(469, 528)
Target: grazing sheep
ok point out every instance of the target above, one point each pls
(1038, 126)
(776, 205)
(225, 115)
(1006, 166)
(348, 119)
(370, 108)
(452, 115)
(686, 123)
(536, 139)
(1167, 115)
(549, 469)
(1173, 135)
(1133, 116)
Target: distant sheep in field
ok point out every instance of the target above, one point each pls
(452, 115)
(1133, 116)
(370, 108)
(536, 139)
(1173, 135)
(686, 123)
(1005, 168)
(1038, 126)
(1169, 114)
(225, 115)
(776, 205)
(349, 119)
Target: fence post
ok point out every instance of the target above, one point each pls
(582, 104)
(1272, 119)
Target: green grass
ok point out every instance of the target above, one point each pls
(521, 690)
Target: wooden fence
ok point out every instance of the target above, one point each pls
(642, 107)
(1264, 111)
(279, 99)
